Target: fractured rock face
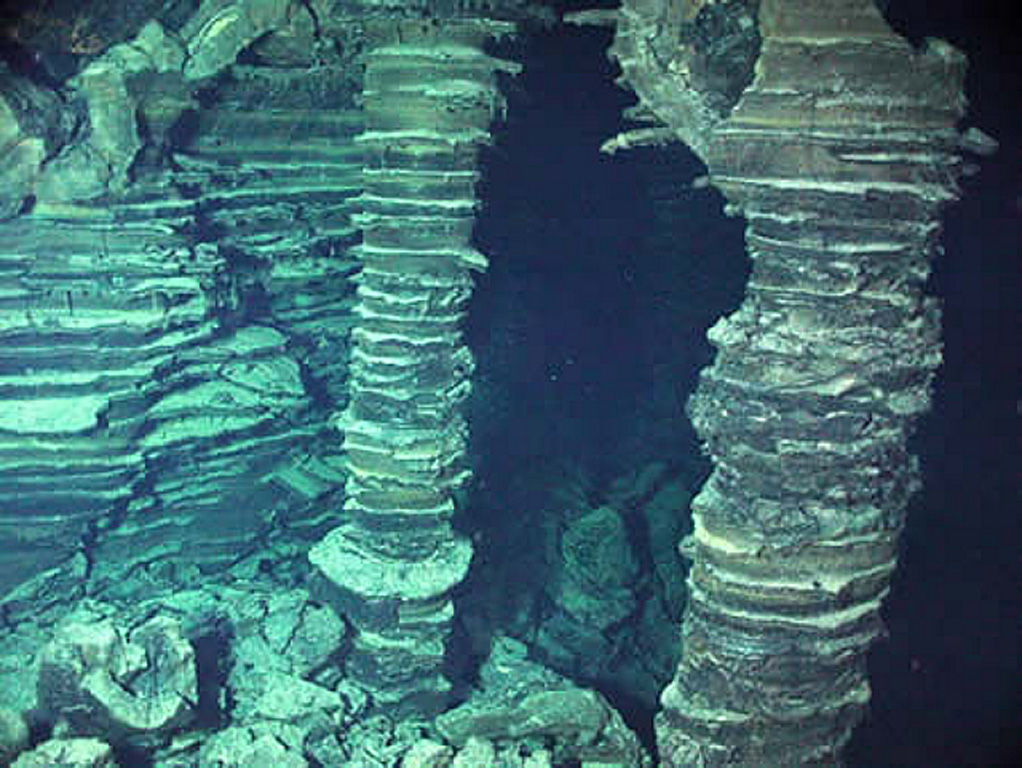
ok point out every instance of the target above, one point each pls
(101, 680)
(69, 753)
(245, 747)
(598, 570)
(519, 701)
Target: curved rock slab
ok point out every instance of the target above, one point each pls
(840, 154)
(109, 683)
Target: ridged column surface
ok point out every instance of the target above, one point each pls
(430, 96)
(840, 155)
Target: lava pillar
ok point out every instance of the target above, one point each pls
(430, 96)
(839, 153)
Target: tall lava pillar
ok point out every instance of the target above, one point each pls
(430, 96)
(840, 153)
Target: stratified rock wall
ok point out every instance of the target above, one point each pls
(93, 303)
(840, 155)
(237, 435)
(175, 305)
(430, 98)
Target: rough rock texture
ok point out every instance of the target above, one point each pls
(68, 753)
(428, 754)
(13, 734)
(263, 668)
(520, 702)
(33, 125)
(596, 581)
(688, 61)
(615, 588)
(840, 155)
(475, 751)
(429, 100)
(253, 747)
